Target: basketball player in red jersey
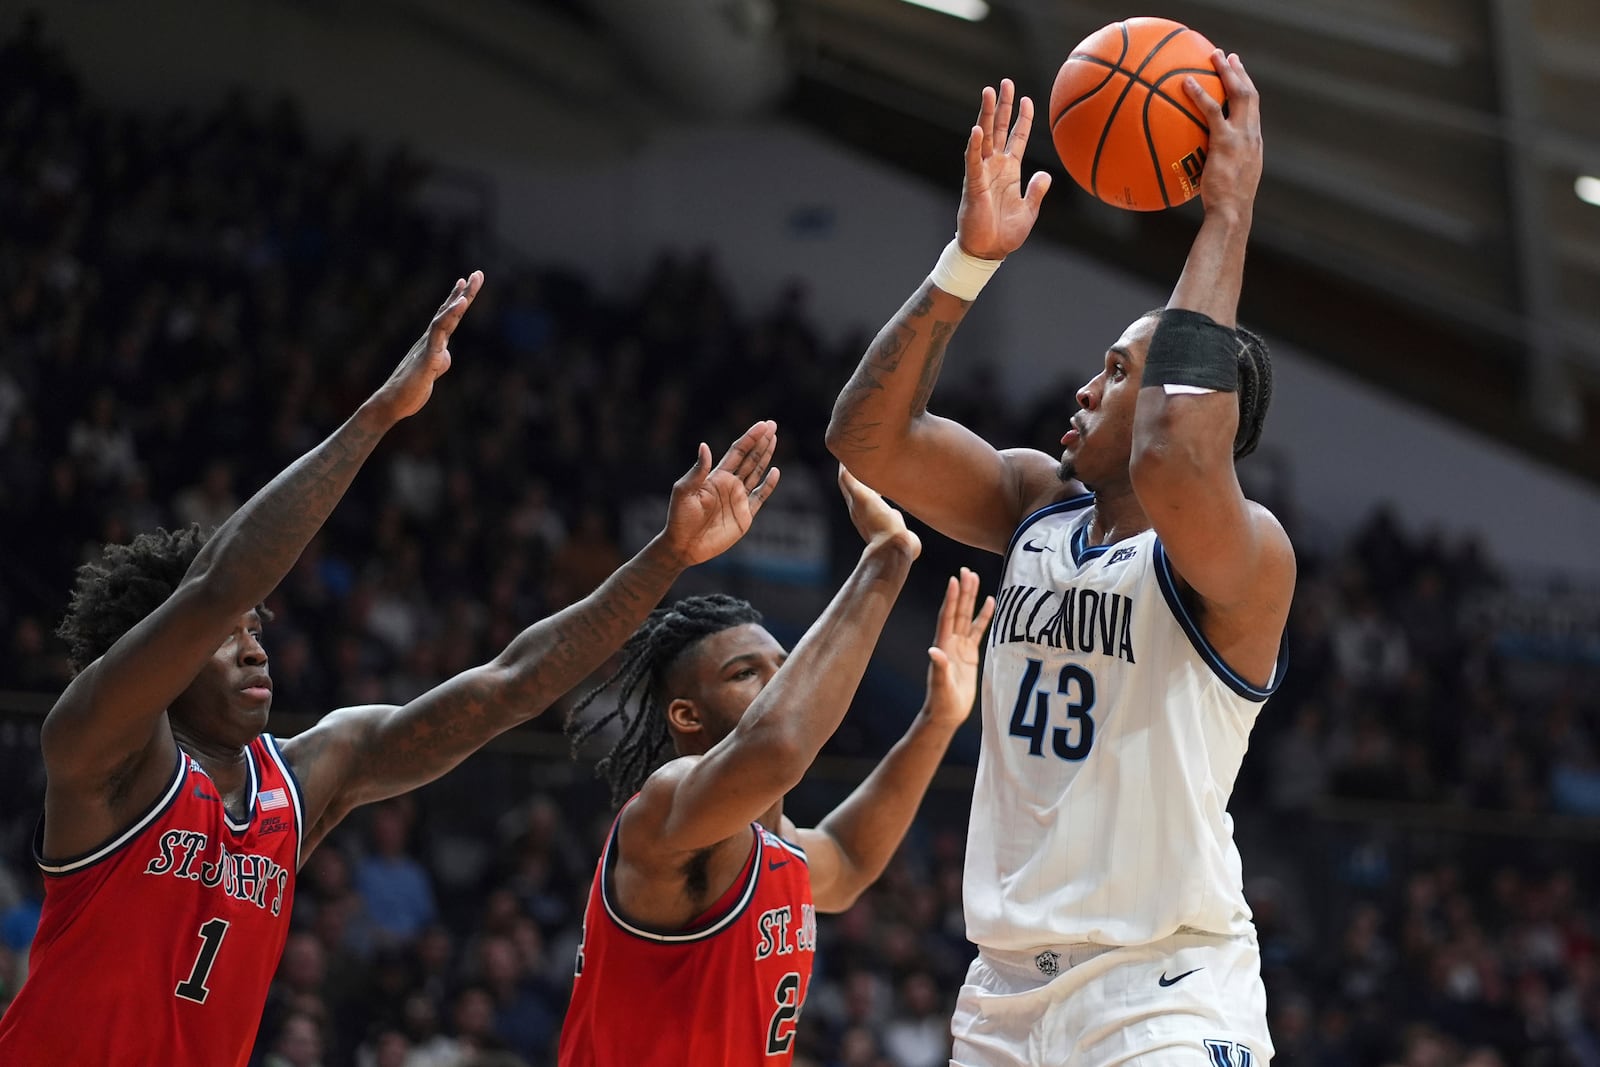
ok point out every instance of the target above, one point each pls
(701, 923)
(173, 825)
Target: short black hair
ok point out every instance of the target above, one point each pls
(647, 657)
(112, 594)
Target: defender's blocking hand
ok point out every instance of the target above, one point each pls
(411, 384)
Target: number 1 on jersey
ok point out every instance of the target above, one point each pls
(1070, 742)
(194, 987)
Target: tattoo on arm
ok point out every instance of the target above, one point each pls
(273, 528)
(891, 349)
(931, 365)
(854, 428)
(857, 437)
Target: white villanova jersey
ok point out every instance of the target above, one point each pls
(1112, 735)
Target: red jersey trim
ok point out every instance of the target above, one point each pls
(294, 793)
(88, 859)
(790, 846)
(686, 936)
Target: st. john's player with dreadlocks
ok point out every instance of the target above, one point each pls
(174, 824)
(701, 922)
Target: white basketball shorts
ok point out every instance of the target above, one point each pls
(1190, 1000)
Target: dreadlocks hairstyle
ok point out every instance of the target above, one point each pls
(111, 595)
(647, 657)
(1255, 387)
(1255, 391)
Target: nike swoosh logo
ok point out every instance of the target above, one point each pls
(773, 865)
(1029, 546)
(203, 795)
(1164, 981)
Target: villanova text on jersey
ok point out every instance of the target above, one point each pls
(1112, 736)
(1071, 618)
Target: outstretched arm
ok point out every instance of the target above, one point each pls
(692, 803)
(881, 426)
(107, 724)
(851, 847)
(359, 755)
(1232, 553)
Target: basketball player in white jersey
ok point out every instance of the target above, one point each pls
(1139, 629)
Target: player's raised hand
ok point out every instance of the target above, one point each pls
(997, 213)
(953, 659)
(874, 519)
(1233, 162)
(712, 507)
(411, 384)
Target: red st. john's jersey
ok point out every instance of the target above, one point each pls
(724, 991)
(157, 947)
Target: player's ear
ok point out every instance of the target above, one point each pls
(683, 715)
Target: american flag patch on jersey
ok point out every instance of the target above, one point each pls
(271, 799)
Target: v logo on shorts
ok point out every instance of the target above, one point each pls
(1164, 981)
(1228, 1053)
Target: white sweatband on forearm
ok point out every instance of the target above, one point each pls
(961, 275)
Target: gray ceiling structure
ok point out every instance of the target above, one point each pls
(1417, 222)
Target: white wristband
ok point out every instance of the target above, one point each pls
(961, 275)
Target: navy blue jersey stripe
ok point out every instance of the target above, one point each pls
(295, 793)
(1076, 503)
(1082, 551)
(675, 937)
(93, 856)
(249, 797)
(1180, 611)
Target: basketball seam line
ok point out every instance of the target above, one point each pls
(1151, 87)
(1154, 87)
(1094, 172)
(1105, 131)
(1152, 91)
(1150, 142)
(1111, 73)
(1114, 68)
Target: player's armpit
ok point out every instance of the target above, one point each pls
(324, 760)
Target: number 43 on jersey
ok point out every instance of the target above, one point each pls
(1031, 718)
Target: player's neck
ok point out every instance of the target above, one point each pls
(223, 762)
(1117, 515)
(772, 819)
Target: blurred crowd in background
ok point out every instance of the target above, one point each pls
(190, 300)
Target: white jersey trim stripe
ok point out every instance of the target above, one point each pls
(249, 797)
(1169, 590)
(702, 934)
(792, 847)
(155, 812)
(294, 794)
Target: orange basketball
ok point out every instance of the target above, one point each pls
(1121, 120)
